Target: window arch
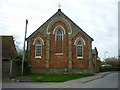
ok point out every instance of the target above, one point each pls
(59, 34)
(79, 49)
(38, 42)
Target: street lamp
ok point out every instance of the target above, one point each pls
(105, 56)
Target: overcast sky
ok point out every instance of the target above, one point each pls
(98, 18)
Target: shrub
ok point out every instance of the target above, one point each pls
(109, 68)
(26, 68)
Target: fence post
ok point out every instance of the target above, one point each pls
(11, 63)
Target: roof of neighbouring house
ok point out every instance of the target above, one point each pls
(94, 51)
(8, 48)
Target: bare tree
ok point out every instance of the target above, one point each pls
(113, 61)
(18, 48)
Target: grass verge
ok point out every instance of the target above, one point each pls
(53, 78)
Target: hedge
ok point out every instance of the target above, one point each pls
(109, 68)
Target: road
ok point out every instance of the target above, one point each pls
(108, 81)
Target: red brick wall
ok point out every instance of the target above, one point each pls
(59, 46)
(37, 62)
(80, 63)
(58, 61)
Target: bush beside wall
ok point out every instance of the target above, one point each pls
(109, 68)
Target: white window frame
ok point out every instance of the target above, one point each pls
(59, 35)
(42, 43)
(79, 51)
(40, 51)
(83, 43)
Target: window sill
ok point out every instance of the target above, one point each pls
(79, 57)
(59, 54)
(38, 57)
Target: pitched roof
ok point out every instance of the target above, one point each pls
(8, 48)
(94, 51)
(58, 13)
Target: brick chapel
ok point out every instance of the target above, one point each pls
(59, 46)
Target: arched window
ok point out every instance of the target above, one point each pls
(79, 49)
(79, 43)
(38, 42)
(59, 38)
(59, 34)
(38, 47)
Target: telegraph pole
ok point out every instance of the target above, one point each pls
(23, 60)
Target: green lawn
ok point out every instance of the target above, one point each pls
(54, 78)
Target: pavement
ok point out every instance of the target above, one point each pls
(68, 84)
(80, 81)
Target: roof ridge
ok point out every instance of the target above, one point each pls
(59, 10)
